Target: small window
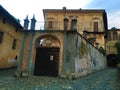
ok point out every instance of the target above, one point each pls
(95, 26)
(50, 24)
(14, 44)
(115, 36)
(1, 37)
(109, 36)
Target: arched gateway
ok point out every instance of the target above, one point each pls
(47, 56)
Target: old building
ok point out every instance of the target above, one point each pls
(90, 23)
(62, 49)
(10, 38)
(113, 37)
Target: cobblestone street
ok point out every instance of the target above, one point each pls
(108, 79)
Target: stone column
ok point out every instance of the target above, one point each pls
(73, 52)
(26, 23)
(33, 22)
(20, 57)
(69, 53)
(63, 74)
(66, 21)
(28, 64)
(73, 23)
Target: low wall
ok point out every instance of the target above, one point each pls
(88, 59)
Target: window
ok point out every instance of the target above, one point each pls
(14, 44)
(1, 37)
(50, 24)
(109, 36)
(114, 35)
(95, 26)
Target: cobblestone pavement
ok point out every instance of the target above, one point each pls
(108, 79)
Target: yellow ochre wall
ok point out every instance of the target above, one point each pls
(85, 21)
(6, 51)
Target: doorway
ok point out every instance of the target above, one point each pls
(46, 62)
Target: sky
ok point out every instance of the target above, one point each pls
(21, 8)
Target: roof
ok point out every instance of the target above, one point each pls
(4, 13)
(74, 10)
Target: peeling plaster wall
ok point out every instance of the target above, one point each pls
(88, 58)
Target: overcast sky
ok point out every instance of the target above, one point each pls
(21, 8)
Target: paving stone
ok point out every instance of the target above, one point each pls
(108, 79)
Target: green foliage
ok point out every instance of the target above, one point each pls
(113, 28)
(118, 65)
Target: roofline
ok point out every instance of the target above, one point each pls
(10, 18)
(64, 10)
(75, 10)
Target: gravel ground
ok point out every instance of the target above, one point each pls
(108, 79)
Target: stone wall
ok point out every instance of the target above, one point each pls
(88, 59)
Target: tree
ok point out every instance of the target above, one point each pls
(113, 28)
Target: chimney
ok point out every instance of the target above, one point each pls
(65, 23)
(73, 23)
(33, 21)
(26, 23)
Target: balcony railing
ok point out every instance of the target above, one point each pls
(59, 25)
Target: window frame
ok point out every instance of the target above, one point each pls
(95, 26)
(14, 44)
(1, 37)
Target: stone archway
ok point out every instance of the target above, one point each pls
(112, 60)
(47, 56)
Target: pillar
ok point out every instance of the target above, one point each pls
(33, 22)
(73, 23)
(20, 57)
(26, 23)
(65, 23)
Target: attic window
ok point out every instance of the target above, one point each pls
(1, 36)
